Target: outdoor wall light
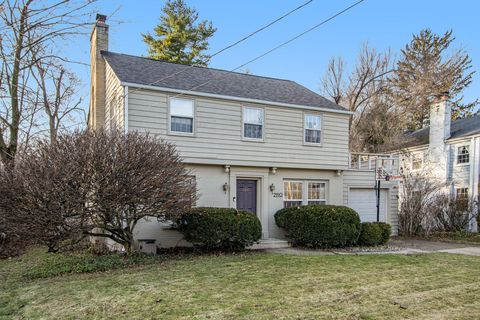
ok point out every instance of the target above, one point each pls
(225, 187)
(273, 170)
(272, 187)
(339, 172)
(227, 168)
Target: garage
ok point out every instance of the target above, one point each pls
(364, 201)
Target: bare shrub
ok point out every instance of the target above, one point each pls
(417, 193)
(450, 214)
(92, 184)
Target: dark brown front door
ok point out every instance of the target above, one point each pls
(247, 195)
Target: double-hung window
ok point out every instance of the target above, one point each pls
(292, 193)
(462, 193)
(463, 155)
(253, 123)
(316, 193)
(313, 129)
(303, 192)
(417, 161)
(181, 115)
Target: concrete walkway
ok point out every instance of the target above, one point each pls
(409, 246)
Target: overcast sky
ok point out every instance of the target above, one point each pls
(383, 24)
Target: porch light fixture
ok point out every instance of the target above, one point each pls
(227, 168)
(225, 187)
(272, 187)
(273, 170)
(339, 172)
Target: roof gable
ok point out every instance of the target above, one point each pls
(145, 71)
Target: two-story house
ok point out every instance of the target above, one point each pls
(252, 142)
(448, 151)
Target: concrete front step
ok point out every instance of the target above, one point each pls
(270, 244)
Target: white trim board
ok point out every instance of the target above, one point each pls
(217, 96)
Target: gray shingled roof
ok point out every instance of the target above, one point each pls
(458, 129)
(147, 71)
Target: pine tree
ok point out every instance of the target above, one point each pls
(425, 71)
(178, 37)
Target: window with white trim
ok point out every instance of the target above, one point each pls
(292, 193)
(417, 161)
(313, 128)
(181, 115)
(253, 123)
(303, 192)
(462, 193)
(316, 193)
(463, 155)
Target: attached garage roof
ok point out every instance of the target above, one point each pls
(145, 71)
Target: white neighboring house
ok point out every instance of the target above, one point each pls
(449, 151)
(252, 142)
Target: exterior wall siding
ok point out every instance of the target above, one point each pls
(218, 134)
(114, 102)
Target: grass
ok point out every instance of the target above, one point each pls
(251, 286)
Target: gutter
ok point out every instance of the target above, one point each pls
(224, 97)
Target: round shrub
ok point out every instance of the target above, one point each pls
(220, 228)
(320, 226)
(374, 233)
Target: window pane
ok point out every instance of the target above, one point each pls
(288, 204)
(312, 136)
(312, 122)
(417, 162)
(316, 202)
(462, 193)
(293, 190)
(181, 107)
(463, 155)
(316, 191)
(253, 115)
(252, 131)
(180, 124)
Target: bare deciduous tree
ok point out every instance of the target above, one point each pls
(30, 29)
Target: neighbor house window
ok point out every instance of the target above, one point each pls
(313, 128)
(304, 192)
(316, 193)
(463, 154)
(417, 161)
(181, 115)
(292, 193)
(462, 193)
(252, 123)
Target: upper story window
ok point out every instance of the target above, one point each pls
(297, 193)
(313, 128)
(417, 161)
(181, 115)
(253, 123)
(463, 155)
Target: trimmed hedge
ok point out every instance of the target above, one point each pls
(320, 226)
(374, 233)
(220, 228)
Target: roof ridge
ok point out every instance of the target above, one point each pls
(200, 67)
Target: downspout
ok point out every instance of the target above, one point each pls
(125, 108)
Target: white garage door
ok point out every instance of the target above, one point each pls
(364, 201)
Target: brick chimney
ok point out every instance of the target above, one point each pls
(440, 120)
(98, 42)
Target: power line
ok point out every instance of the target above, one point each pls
(284, 43)
(261, 29)
(234, 44)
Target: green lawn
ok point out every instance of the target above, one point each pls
(253, 286)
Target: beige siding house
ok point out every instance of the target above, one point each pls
(252, 143)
